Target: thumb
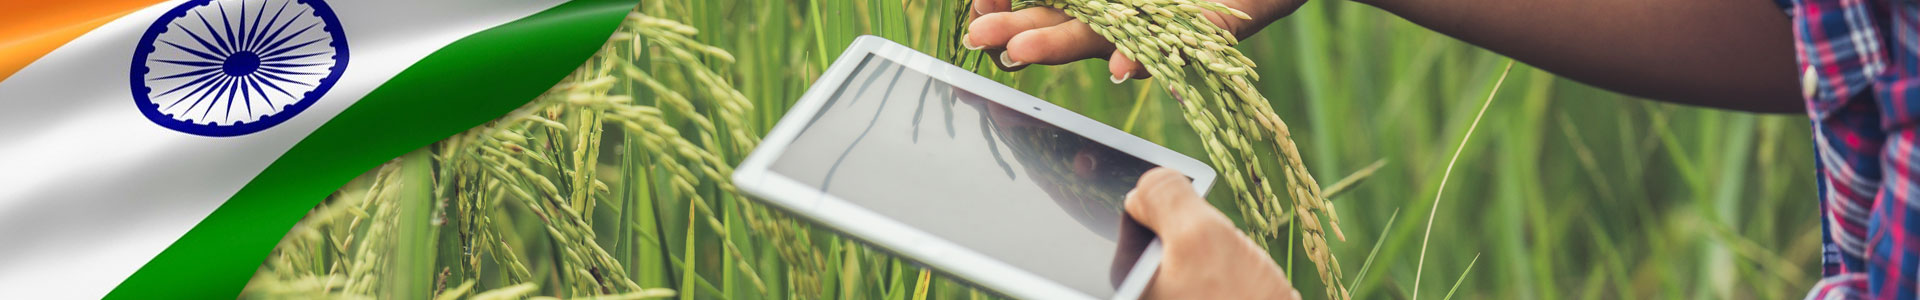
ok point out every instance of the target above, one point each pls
(1165, 198)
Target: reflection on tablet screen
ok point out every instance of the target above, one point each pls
(971, 171)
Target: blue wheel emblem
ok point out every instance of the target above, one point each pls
(234, 67)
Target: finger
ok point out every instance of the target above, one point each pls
(999, 59)
(983, 7)
(1162, 199)
(1124, 68)
(1066, 42)
(993, 30)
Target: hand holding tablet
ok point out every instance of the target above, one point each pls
(1204, 256)
(982, 182)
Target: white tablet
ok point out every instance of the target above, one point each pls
(965, 175)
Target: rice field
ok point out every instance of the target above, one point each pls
(612, 186)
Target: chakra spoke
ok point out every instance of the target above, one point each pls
(274, 77)
(284, 40)
(190, 63)
(275, 87)
(287, 65)
(271, 24)
(255, 82)
(240, 36)
(225, 21)
(203, 42)
(245, 99)
(224, 90)
(196, 90)
(252, 28)
(292, 57)
(282, 28)
(291, 48)
(196, 81)
(195, 53)
(195, 72)
(286, 72)
(213, 32)
(209, 92)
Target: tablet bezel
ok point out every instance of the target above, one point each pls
(753, 177)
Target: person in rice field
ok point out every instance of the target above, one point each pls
(1850, 65)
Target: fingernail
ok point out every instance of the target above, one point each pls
(967, 41)
(1121, 78)
(1006, 60)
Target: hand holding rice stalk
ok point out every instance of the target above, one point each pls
(1176, 42)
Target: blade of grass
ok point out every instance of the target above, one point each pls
(414, 275)
(850, 272)
(920, 289)
(1420, 267)
(676, 262)
(1463, 277)
(1368, 264)
(819, 35)
(1616, 266)
(645, 221)
(687, 272)
(1585, 156)
(896, 283)
(1140, 100)
(1291, 232)
(728, 274)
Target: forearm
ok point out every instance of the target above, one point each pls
(1733, 54)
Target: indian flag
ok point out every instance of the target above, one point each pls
(156, 149)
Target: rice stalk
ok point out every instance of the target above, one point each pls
(1177, 43)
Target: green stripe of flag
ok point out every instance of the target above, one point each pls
(466, 83)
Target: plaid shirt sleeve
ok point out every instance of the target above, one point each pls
(1858, 60)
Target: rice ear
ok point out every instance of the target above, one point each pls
(1177, 43)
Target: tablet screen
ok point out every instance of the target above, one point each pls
(971, 171)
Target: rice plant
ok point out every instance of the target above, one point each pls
(533, 179)
(612, 185)
(522, 206)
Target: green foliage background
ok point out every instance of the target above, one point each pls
(1566, 191)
